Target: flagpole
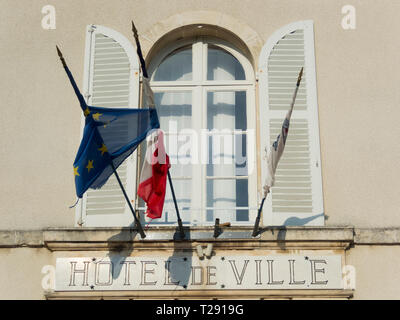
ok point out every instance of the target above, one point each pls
(256, 228)
(144, 71)
(181, 232)
(139, 50)
(84, 105)
(138, 224)
(82, 101)
(257, 222)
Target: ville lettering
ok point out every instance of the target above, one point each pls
(188, 272)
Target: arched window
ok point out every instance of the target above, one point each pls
(205, 96)
(204, 93)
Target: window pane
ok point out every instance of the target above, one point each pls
(226, 110)
(227, 152)
(175, 113)
(227, 184)
(176, 67)
(227, 155)
(227, 199)
(174, 110)
(223, 66)
(182, 189)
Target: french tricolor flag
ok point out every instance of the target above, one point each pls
(153, 178)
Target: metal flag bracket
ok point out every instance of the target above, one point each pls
(218, 227)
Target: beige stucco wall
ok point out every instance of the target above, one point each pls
(357, 77)
(21, 272)
(377, 271)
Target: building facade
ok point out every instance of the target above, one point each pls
(223, 76)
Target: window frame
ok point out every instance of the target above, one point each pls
(200, 86)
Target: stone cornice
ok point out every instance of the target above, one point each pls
(233, 237)
(371, 236)
(162, 237)
(21, 238)
(201, 294)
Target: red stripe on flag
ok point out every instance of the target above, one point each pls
(152, 190)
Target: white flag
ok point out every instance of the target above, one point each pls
(275, 153)
(278, 146)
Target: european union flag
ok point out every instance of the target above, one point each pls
(110, 136)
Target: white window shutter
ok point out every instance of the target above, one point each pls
(296, 198)
(111, 79)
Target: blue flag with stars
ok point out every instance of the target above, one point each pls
(109, 137)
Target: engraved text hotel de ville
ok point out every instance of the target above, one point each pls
(186, 272)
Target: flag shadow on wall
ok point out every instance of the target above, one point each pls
(119, 248)
(291, 221)
(179, 265)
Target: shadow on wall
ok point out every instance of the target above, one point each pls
(292, 221)
(120, 247)
(179, 264)
(295, 221)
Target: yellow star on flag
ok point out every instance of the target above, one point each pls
(103, 149)
(76, 171)
(86, 112)
(96, 116)
(90, 165)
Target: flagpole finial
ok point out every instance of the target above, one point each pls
(61, 56)
(134, 30)
(139, 50)
(300, 75)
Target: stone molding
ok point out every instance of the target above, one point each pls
(21, 238)
(246, 34)
(201, 294)
(162, 237)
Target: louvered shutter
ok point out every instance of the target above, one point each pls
(296, 198)
(111, 80)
